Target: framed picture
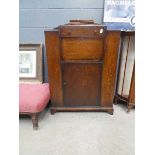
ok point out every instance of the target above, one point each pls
(30, 63)
(119, 15)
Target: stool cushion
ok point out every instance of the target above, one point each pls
(33, 98)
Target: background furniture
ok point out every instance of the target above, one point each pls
(33, 98)
(82, 60)
(125, 88)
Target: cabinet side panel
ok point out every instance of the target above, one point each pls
(109, 68)
(54, 68)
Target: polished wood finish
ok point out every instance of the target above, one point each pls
(76, 21)
(80, 109)
(82, 67)
(92, 49)
(131, 100)
(109, 67)
(82, 31)
(54, 68)
(81, 83)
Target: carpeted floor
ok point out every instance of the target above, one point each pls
(79, 133)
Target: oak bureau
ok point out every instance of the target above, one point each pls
(82, 60)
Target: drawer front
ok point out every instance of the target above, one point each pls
(82, 31)
(84, 49)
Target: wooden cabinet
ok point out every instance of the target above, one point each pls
(82, 62)
(125, 86)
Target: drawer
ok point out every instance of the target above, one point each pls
(82, 49)
(82, 31)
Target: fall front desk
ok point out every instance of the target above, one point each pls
(82, 60)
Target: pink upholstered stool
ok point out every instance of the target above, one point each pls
(33, 98)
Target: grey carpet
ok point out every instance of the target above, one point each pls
(79, 133)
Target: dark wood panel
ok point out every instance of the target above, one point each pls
(132, 88)
(109, 70)
(82, 84)
(81, 61)
(78, 49)
(85, 31)
(87, 108)
(54, 67)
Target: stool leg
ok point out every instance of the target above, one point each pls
(53, 111)
(35, 121)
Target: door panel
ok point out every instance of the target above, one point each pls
(81, 83)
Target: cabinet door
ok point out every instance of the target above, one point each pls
(82, 84)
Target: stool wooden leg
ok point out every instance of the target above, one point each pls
(53, 111)
(35, 121)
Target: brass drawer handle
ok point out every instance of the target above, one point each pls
(101, 31)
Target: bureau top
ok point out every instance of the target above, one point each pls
(80, 28)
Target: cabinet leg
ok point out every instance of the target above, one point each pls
(115, 101)
(129, 108)
(35, 121)
(53, 111)
(110, 111)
